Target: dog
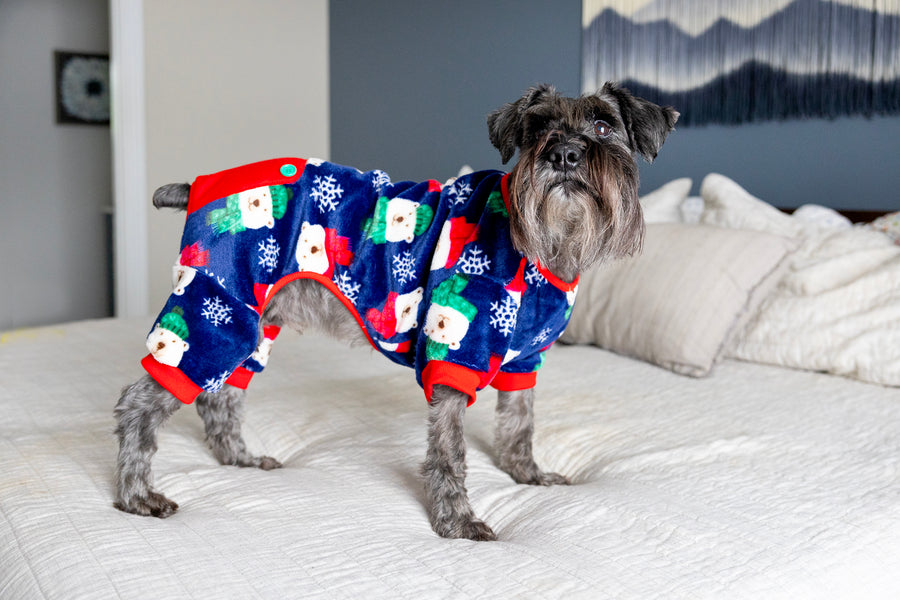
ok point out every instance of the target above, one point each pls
(467, 282)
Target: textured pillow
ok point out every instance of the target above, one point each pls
(889, 225)
(663, 205)
(678, 303)
(729, 205)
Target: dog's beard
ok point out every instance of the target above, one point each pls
(569, 221)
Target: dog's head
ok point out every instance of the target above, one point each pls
(574, 191)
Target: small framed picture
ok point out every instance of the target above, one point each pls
(82, 88)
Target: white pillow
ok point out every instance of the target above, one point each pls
(679, 302)
(726, 204)
(821, 216)
(691, 209)
(663, 205)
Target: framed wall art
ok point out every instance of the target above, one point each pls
(82, 88)
(740, 61)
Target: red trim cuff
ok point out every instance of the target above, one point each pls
(444, 373)
(171, 379)
(240, 378)
(512, 382)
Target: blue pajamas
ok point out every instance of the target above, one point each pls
(429, 272)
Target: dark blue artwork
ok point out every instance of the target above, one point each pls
(739, 61)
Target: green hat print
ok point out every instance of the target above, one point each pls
(174, 322)
(448, 294)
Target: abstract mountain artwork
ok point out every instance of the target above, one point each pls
(740, 61)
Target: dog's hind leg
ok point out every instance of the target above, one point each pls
(515, 428)
(445, 469)
(221, 413)
(143, 407)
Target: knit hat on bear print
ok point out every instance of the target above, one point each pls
(174, 322)
(448, 294)
(280, 197)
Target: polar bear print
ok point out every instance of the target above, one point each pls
(311, 255)
(406, 307)
(401, 220)
(166, 347)
(446, 325)
(256, 208)
(182, 276)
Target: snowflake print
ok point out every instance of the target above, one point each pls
(459, 192)
(219, 280)
(472, 262)
(214, 384)
(541, 337)
(534, 277)
(348, 287)
(380, 180)
(326, 193)
(215, 311)
(404, 267)
(503, 315)
(268, 254)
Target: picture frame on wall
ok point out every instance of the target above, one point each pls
(82, 88)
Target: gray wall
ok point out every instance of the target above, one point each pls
(55, 180)
(412, 82)
(227, 85)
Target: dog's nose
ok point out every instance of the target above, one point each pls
(564, 156)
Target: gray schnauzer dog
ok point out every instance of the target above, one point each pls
(569, 202)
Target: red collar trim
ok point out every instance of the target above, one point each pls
(556, 281)
(504, 190)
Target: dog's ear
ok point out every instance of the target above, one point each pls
(506, 124)
(647, 123)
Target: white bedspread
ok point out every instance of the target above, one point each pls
(756, 482)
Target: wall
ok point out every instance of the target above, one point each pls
(227, 84)
(413, 81)
(848, 163)
(55, 180)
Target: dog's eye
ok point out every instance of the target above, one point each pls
(602, 128)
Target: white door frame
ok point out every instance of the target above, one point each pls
(129, 152)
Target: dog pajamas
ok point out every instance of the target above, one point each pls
(429, 272)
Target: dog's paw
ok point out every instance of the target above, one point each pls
(267, 463)
(529, 473)
(478, 531)
(468, 529)
(153, 505)
(541, 478)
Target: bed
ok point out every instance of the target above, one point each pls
(725, 440)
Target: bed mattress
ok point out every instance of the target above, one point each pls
(754, 482)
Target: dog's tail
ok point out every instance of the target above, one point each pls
(172, 195)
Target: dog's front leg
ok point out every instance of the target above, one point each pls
(143, 407)
(221, 413)
(445, 469)
(515, 428)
